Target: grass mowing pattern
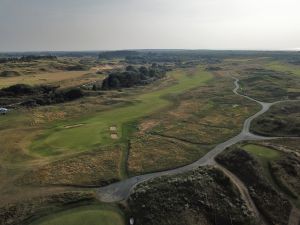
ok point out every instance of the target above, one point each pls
(88, 215)
(96, 128)
(263, 153)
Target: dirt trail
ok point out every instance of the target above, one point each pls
(294, 218)
(244, 193)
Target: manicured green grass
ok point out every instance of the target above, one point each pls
(95, 130)
(265, 155)
(262, 152)
(88, 215)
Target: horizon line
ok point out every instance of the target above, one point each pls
(153, 49)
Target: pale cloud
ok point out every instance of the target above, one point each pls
(126, 24)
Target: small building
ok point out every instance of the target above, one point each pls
(3, 111)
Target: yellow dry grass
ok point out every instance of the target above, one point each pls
(91, 168)
(150, 153)
(146, 125)
(43, 78)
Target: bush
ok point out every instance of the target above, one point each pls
(133, 76)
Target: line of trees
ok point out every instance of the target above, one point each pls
(27, 58)
(133, 76)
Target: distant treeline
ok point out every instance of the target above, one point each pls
(133, 76)
(27, 58)
(117, 54)
(157, 56)
(205, 56)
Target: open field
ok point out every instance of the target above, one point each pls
(149, 153)
(95, 168)
(285, 67)
(85, 215)
(96, 128)
(200, 119)
(110, 135)
(269, 85)
(55, 78)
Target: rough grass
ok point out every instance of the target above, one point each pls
(200, 119)
(42, 78)
(150, 153)
(204, 116)
(281, 120)
(269, 85)
(86, 215)
(285, 67)
(289, 143)
(96, 168)
(96, 128)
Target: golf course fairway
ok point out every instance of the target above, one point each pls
(95, 129)
(89, 215)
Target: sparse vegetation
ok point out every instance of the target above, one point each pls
(96, 168)
(151, 119)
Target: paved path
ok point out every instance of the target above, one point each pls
(121, 190)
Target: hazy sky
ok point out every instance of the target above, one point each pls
(145, 24)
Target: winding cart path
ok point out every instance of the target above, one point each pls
(121, 190)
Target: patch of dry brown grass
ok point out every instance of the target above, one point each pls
(204, 116)
(150, 153)
(146, 125)
(42, 78)
(86, 169)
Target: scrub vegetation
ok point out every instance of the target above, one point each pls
(282, 119)
(79, 121)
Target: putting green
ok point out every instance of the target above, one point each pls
(262, 152)
(90, 215)
(95, 130)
